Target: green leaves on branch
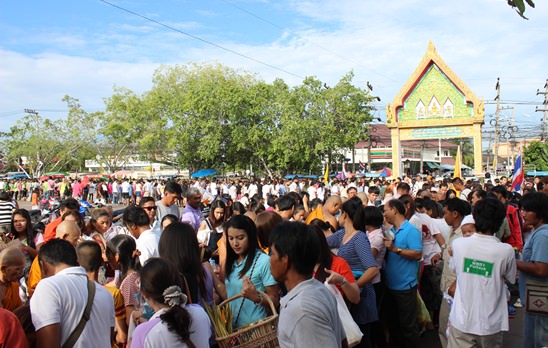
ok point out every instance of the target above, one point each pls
(537, 154)
(519, 5)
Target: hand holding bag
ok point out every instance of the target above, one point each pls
(352, 330)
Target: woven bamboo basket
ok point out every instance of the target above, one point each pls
(259, 334)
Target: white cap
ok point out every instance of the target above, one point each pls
(468, 219)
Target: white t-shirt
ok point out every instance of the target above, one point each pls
(424, 223)
(266, 191)
(147, 244)
(311, 192)
(125, 187)
(252, 190)
(157, 334)
(62, 298)
(482, 263)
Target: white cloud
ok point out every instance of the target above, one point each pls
(382, 42)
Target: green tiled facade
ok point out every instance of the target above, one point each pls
(434, 83)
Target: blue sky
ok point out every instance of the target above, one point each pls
(85, 48)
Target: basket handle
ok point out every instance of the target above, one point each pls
(264, 295)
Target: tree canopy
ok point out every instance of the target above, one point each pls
(202, 115)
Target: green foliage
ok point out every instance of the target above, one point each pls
(536, 153)
(519, 6)
(203, 115)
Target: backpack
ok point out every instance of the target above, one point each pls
(514, 221)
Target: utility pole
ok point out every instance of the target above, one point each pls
(509, 132)
(544, 109)
(497, 121)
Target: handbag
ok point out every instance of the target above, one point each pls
(71, 340)
(536, 295)
(353, 333)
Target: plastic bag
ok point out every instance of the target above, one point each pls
(423, 316)
(352, 330)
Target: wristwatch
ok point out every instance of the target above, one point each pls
(399, 251)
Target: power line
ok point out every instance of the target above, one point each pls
(200, 39)
(306, 40)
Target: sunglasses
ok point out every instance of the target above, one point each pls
(150, 208)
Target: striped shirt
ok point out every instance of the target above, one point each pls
(6, 211)
(357, 252)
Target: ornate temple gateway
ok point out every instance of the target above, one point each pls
(434, 104)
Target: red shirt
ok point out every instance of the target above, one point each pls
(12, 334)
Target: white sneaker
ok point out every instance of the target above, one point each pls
(518, 304)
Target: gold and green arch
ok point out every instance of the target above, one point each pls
(434, 104)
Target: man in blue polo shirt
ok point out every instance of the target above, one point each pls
(401, 272)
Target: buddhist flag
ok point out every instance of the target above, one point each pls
(518, 176)
(457, 171)
(326, 175)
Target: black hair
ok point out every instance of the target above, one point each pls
(69, 203)
(264, 222)
(297, 197)
(536, 202)
(58, 251)
(448, 194)
(215, 205)
(410, 207)
(403, 186)
(373, 216)
(244, 223)
(146, 200)
(478, 192)
(271, 200)
(239, 207)
(323, 225)
(173, 187)
(29, 233)
(463, 208)
(179, 244)
(125, 247)
(157, 275)
(285, 202)
(299, 243)
(134, 215)
(325, 257)
(489, 213)
(435, 207)
(89, 255)
(354, 188)
(313, 204)
(354, 208)
(501, 190)
(255, 205)
(396, 204)
(172, 218)
(457, 181)
(374, 190)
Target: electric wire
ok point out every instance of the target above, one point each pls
(200, 39)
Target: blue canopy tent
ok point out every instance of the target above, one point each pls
(203, 173)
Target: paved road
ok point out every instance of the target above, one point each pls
(512, 338)
(429, 339)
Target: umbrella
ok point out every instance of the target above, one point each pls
(203, 173)
(385, 172)
(57, 175)
(122, 173)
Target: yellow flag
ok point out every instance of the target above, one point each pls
(457, 171)
(326, 175)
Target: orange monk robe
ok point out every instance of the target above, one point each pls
(51, 229)
(315, 214)
(35, 275)
(12, 300)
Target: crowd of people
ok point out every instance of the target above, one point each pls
(406, 255)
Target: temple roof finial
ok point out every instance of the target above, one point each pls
(431, 46)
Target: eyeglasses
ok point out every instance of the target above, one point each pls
(150, 208)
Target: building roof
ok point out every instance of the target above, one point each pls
(382, 132)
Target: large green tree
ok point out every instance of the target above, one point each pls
(537, 154)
